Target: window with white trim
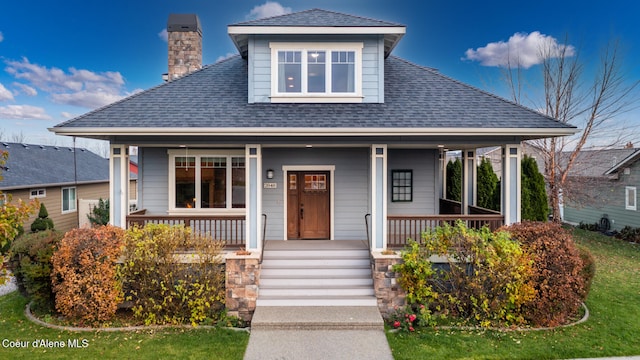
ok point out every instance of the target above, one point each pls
(631, 198)
(206, 180)
(68, 199)
(3, 199)
(37, 193)
(316, 70)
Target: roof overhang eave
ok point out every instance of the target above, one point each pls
(314, 132)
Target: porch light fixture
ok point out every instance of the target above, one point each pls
(270, 174)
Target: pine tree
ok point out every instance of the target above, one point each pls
(454, 180)
(487, 181)
(534, 193)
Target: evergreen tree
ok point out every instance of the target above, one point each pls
(487, 181)
(534, 193)
(99, 214)
(454, 180)
(42, 222)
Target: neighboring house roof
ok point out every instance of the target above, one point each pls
(600, 163)
(39, 165)
(316, 21)
(419, 101)
(626, 162)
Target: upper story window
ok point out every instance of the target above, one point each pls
(305, 72)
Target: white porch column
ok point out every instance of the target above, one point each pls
(511, 183)
(378, 197)
(468, 191)
(442, 178)
(119, 185)
(253, 200)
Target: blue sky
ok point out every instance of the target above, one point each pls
(60, 59)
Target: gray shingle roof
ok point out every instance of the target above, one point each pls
(38, 165)
(317, 17)
(216, 97)
(596, 163)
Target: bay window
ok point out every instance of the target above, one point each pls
(206, 180)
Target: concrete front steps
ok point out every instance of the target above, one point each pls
(316, 273)
(317, 318)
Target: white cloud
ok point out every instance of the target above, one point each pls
(5, 95)
(26, 89)
(77, 87)
(1, 36)
(226, 56)
(67, 115)
(164, 35)
(23, 112)
(268, 9)
(521, 50)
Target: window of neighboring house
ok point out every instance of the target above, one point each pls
(3, 199)
(206, 180)
(401, 185)
(631, 201)
(303, 70)
(68, 199)
(37, 193)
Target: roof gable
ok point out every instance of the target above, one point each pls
(315, 22)
(39, 165)
(318, 18)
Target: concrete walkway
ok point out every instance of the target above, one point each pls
(309, 333)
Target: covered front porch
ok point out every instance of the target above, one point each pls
(384, 194)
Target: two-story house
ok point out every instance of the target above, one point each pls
(313, 131)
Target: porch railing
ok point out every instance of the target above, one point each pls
(402, 228)
(227, 228)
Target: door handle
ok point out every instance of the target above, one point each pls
(301, 213)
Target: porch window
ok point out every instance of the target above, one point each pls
(68, 199)
(402, 185)
(316, 70)
(206, 180)
(631, 198)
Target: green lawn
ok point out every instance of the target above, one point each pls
(166, 343)
(612, 329)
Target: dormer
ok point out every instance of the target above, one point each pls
(315, 56)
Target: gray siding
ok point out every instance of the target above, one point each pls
(350, 188)
(611, 201)
(423, 163)
(260, 65)
(153, 180)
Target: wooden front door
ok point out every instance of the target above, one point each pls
(308, 210)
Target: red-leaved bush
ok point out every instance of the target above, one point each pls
(558, 276)
(84, 273)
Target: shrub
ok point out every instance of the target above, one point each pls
(557, 278)
(485, 281)
(535, 206)
(99, 214)
(487, 182)
(454, 180)
(165, 290)
(630, 234)
(31, 263)
(588, 271)
(84, 273)
(42, 222)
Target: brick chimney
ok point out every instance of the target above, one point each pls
(185, 44)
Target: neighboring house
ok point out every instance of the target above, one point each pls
(313, 131)
(57, 176)
(611, 179)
